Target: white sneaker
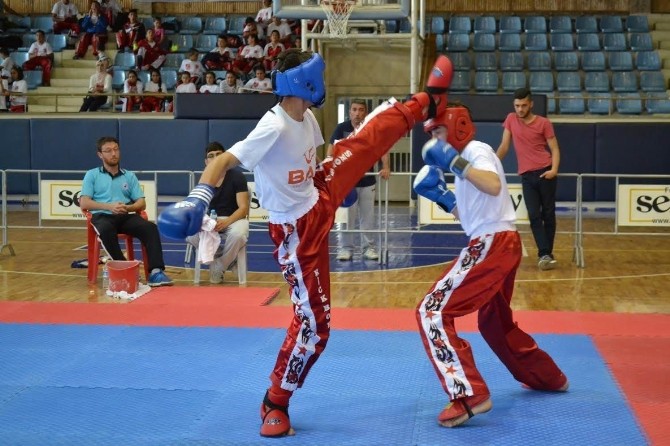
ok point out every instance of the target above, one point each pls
(546, 262)
(371, 253)
(344, 254)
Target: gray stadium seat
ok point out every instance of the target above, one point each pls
(568, 81)
(485, 24)
(510, 24)
(593, 61)
(648, 61)
(571, 103)
(624, 82)
(566, 61)
(460, 24)
(169, 76)
(561, 42)
(460, 81)
(614, 42)
(588, 42)
(214, 25)
(462, 61)
(641, 42)
(184, 42)
(513, 80)
(58, 42)
(486, 61)
(205, 42)
(486, 81)
(551, 103)
(510, 42)
(539, 61)
(437, 25)
(19, 57)
(191, 25)
(541, 81)
(510, 61)
(637, 24)
(657, 102)
(611, 24)
(125, 61)
(586, 24)
(596, 81)
(33, 78)
(458, 42)
(536, 42)
(118, 78)
(653, 81)
(620, 61)
(599, 103)
(629, 103)
(484, 42)
(560, 24)
(43, 22)
(535, 24)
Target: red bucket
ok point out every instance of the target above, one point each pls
(123, 275)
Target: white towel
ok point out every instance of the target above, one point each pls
(209, 241)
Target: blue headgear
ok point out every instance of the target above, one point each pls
(304, 81)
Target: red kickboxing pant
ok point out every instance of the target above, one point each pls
(40, 61)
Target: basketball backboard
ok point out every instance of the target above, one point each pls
(363, 10)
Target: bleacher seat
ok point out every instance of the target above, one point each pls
(614, 42)
(486, 61)
(33, 78)
(148, 22)
(43, 22)
(586, 24)
(571, 103)
(58, 42)
(439, 42)
(19, 57)
(405, 27)
(124, 61)
(641, 42)
(205, 42)
(144, 76)
(539, 61)
(485, 24)
(620, 61)
(511, 61)
(27, 39)
(20, 25)
(648, 61)
(220, 75)
(510, 42)
(486, 81)
(657, 102)
(536, 42)
(171, 24)
(568, 81)
(458, 42)
(637, 24)
(214, 25)
(184, 42)
(236, 24)
(653, 81)
(561, 42)
(391, 26)
(599, 103)
(541, 81)
(560, 24)
(596, 81)
(624, 82)
(566, 61)
(510, 24)
(593, 61)
(611, 24)
(460, 81)
(437, 25)
(484, 42)
(118, 78)
(535, 24)
(551, 102)
(460, 25)
(169, 76)
(629, 103)
(513, 80)
(173, 60)
(191, 25)
(462, 61)
(588, 42)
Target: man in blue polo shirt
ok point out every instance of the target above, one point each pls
(114, 197)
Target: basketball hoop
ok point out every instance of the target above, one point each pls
(337, 15)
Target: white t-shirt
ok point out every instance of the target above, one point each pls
(225, 88)
(481, 213)
(283, 28)
(40, 49)
(264, 15)
(105, 80)
(137, 88)
(282, 154)
(209, 88)
(63, 11)
(6, 67)
(19, 87)
(194, 68)
(258, 84)
(252, 52)
(226, 50)
(152, 87)
(186, 88)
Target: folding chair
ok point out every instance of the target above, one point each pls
(192, 251)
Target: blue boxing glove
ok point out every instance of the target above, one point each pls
(429, 183)
(184, 219)
(440, 153)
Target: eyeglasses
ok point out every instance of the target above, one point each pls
(212, 155)
(108, 151)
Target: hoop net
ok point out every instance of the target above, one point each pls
(337, 15)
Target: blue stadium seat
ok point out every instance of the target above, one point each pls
(571, 103)
(593, 61)
(535, 24)
(586, 24)
(43, 22)
(485, 24)
(566, 61)
(561, 42)
(58, 42)
(536, 42)
(462, 61)
(391, 26)
(19, 57)
(588, 42)
(484, 42)
(511, 61)
(539, 61)
(460, 81)
(614, 42)
(215, 25)
(629, 103)
(27, 39)
(620, 61)
(173, 60)
(648, 61)
(486, 81)
(236, 24)
(191, 25)
(600, 103)
(560, 24)
(486, 61)
(596, 81)
(653, 81)
(184, 42)
(118, 78)
(20, 25)
(205, 42)
(551, 102)
(637, 24)
(611, 24)
(144, 77)
(512, 80)
(510, 24)
(568, 81)
(124, 61)
(460, 25)
(458, 42)
(171, 24)
(439, 43)
(541, 81)
(437, 25)
(405, 27)
(510, 42)
(624, 82)
(33, 78)
(148, 22)
(169, 76)
(220, 75)
(657, 102)
(641, 42)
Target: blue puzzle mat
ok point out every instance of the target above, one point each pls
(118, 385)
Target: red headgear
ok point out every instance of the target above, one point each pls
(460, 129)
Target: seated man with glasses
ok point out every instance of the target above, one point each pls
(231, 205)
(114, 197)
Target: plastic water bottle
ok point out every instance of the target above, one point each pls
(105, 277)
(212, 214)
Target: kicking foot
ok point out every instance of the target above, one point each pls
(437, 84)
(461, 410)
(563, 388)
(275, 420)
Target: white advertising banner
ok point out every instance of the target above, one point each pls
(643, 205)
(59, 199)
(258, 214)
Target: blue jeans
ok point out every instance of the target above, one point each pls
(540, 197)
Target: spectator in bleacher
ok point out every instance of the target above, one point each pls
(186, 84)
(99, 87)
(251, 28)
(210, 85)
(112, 10)
(193, 66)
(40, 54)
(154, 103)
(272, 50)
(18, 102)
(132, 32)
(220, 57)
(133, 88)
(149, 53)
(93, 31)
(65, 15)
(264, 15)
(538, 168)
(160, 35)
(6, 64)
(259, 84)
(285, 32)
(248, 57)
(234, 41)
(231, 84)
